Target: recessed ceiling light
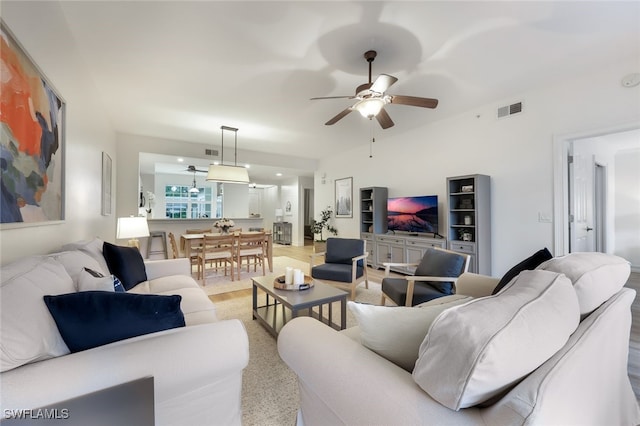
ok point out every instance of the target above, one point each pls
(216, 163)
(247, 166)
(180, 159)
(278, 174)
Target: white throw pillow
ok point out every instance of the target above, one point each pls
(27, 331)
(395, 332)
(88, 282)
(74, 262)
(94, 249)
(479, 350)
(595, 276)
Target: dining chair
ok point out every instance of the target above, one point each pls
(174, 246)
(217, 249)
(250, 246)
(195, 248)
(435, 276)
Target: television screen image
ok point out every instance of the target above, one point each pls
(413, 214)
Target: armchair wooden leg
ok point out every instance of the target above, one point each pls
(383, 300)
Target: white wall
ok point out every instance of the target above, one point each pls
(515, 151)
(236, 200)
(88, 133)
(627, 205)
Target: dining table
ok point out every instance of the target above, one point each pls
(187, 241)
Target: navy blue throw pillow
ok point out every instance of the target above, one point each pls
(126, 263)
(88, 319)
(528, 264)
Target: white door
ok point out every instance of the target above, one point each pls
(581, 235)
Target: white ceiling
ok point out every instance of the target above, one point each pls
(180, 70)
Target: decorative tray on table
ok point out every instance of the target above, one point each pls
(279, 283)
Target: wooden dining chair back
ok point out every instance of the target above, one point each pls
(250, 247)
(218, 251)
(198, 231)
(195, 248)
(174, 246)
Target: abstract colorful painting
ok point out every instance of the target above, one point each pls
(31, 139)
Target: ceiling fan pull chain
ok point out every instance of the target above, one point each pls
(373, 139)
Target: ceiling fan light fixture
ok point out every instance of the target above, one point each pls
(369, 107)
(228, 174)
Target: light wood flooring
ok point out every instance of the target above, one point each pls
(303, 253)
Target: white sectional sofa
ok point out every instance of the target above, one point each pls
(550, 348)
(197, 369)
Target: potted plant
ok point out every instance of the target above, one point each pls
(465, 234)
(319, 226)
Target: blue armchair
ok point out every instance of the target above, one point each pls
(344, 264)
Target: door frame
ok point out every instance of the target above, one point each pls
(561, 146)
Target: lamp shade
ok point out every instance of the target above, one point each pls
(369, 107)
(132, 227)
(229, 174)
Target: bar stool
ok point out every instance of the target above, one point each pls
(163, 236)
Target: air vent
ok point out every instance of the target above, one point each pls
(211, 152)
(508, 110)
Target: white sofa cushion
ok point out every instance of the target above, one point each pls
(74, 262)
(94, 249)
(27, 331)
(396, 332)
(478, 350)
(595, 276)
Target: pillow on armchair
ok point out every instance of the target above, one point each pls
(440, 263)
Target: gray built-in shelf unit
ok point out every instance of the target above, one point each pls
(469, 219)
(373, 217)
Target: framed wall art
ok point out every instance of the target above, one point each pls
(32, 146)
(344, 197)
(106, 184)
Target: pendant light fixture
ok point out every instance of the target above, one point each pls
(229, 174)
(194, 189)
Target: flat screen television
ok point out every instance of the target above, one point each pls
(413, 214)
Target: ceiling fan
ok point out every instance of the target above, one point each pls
(193, 169)
(372, 98)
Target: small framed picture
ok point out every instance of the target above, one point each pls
(344, 197)
(467, 188)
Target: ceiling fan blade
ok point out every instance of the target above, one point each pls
(382, 83)
(384, 119)
(332, 97)
(414, 101)
(338, 117)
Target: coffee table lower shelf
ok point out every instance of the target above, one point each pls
(273, 318)
(284, 305)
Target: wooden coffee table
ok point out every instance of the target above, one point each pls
(284, 305)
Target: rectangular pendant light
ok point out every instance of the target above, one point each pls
(229, 174)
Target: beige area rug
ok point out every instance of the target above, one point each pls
(216, 283)
(269, 387)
